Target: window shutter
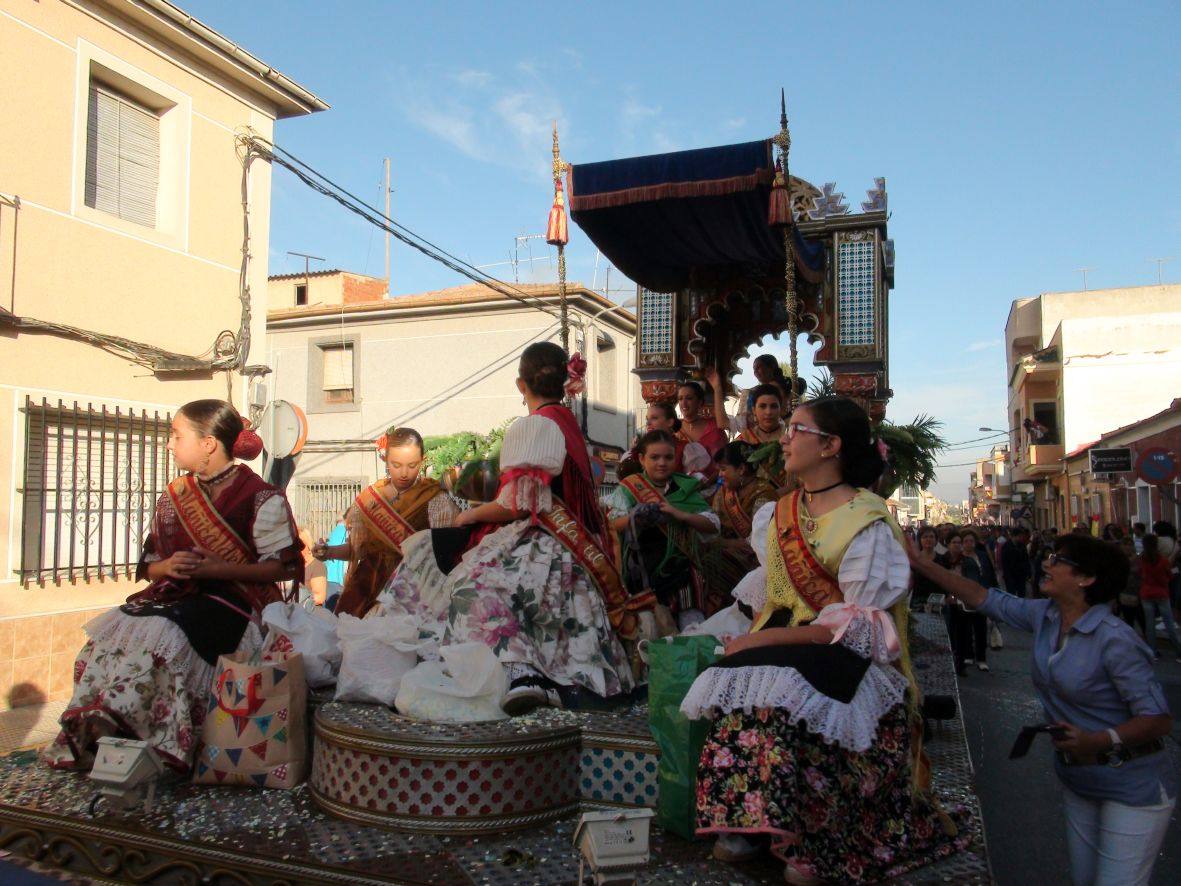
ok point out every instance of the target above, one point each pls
(338, 368)
(122, 157)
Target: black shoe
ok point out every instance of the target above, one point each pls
(527, 694)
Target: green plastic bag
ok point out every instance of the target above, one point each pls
(673, 665)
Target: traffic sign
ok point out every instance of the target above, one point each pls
(1156, 465)
(1111, 461)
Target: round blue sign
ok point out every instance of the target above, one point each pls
(1156, 465)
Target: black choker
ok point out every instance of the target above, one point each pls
(825, 489)
(218, 476)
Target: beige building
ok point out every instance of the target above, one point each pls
(990, 490)
(1080, 364)
(440, 362)
(121, 252)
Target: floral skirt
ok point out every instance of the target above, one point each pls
(839, 815)
(136, 677)
(520, 592)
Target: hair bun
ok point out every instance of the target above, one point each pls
(248, 445)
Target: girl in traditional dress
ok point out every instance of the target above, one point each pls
(811, 740)
(670, 518)
(691, 458)
(537, 584)
(383, 517)
(221, 538)
(762, 425)
(696, 428)
(728, 559)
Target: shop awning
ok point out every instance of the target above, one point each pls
(657, 217)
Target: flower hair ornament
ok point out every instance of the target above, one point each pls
(576, 370)
(248, 445)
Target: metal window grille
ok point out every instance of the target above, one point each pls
(91, 481)
(318, 504)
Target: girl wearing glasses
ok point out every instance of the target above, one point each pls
(811, 745)
(1095, 680)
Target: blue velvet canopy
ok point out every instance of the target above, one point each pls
(657, 217)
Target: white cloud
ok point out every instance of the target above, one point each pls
(453, 125)
(984, 345)
(472, 79)
(735, 122)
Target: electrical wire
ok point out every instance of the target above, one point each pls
(317, 181)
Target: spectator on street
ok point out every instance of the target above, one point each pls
(974, 625)
(928, 538)
(1129, 606)
(1155, 572)
(1138, 530)
(1166, 534)
(1038, 548)
(1109, 710)
(1015, 569)
(1113, 532)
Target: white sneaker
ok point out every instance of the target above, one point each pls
(982, 665)
(525, 696)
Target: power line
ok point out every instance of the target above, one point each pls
(324, 185)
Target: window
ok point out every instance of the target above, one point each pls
(1143, 505)
(301, 293)
(318, 503)
(122, 156)
(605, 360)
(92, 477)
(338, 374)
(1045, 414)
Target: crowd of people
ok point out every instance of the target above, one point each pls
(761, 528)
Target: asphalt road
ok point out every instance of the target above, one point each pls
(1022, 799)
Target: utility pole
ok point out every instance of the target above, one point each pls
(387, 232)
(1084, 273)
(306, 258)
(1160, 263)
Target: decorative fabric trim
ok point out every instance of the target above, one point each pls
(667, 190)
(853, 726)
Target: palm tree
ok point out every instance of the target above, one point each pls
(823, 385)
(913, 449)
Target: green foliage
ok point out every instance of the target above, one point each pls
(913, 451)
(465, 448)
(823, 385)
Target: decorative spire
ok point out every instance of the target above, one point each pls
(557, 231)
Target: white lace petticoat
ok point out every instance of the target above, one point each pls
(852, 726)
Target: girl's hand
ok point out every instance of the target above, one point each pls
(671, 512)
(1080, 743)
(320, 550)
(464, 518)
(712, 376)
(179, 566)
(208, 565)
(743, 642)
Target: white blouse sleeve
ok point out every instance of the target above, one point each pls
(874, 575)
(537, 445)
(758, 531)
(272, 528)
(695, 459)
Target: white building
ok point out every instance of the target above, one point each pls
(439, 362)
(1080, 364)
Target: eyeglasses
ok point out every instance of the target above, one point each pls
(1054, 559)
(796, 428)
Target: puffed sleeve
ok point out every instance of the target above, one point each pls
(533, 453)
(758, 530)
(441, 511)
(695, 459)
(874, 575)
(272, 528)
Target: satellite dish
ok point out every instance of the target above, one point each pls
(283, 428)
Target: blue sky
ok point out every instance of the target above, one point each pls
(1020, 141)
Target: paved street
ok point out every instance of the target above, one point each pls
(1021, 798)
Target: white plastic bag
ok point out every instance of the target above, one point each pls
(724, 624)
(466, 686)
(376, 653)
(313, 634)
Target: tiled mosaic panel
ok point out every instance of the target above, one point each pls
(610, 775)
(856, 292)
(656, 327)
(446, 788)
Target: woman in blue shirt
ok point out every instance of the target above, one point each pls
(1095, 679)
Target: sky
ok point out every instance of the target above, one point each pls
(1020, 143)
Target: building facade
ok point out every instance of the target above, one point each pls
(121, 269)
(990, 492)
(439, 362)
(1080, 363)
